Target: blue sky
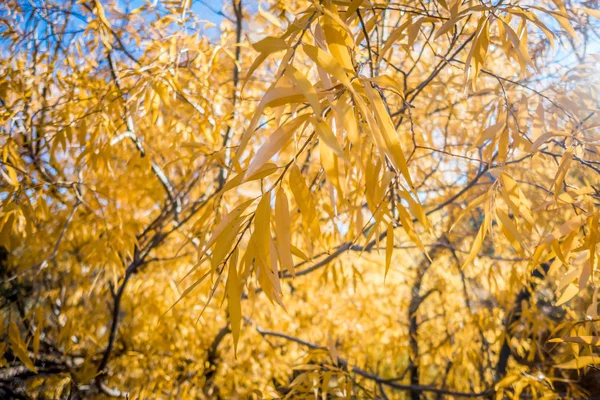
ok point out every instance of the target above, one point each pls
(206, 10)
(211, 10)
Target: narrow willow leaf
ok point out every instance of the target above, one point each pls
(566, 228)
(282, 230)
(304, 200)
(570, 292)
(389, 248)
(234, 296)
(270, 45)
(307, 88)
(587, 340)
(274, 144)
(390, 136)
(328, 63)
(338, 39)
(327, 135)
(580, 362)
(262, 172)
(18, 347)
(478, 242)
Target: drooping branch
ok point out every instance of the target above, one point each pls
(416, 300)
(514, 315)
(344, 247)
(134, 136)
(372, 377)
(239, 19)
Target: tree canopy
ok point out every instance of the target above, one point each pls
(299, 199)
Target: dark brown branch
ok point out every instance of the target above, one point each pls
(375, 378)
(413, 326)
(369, 246)
(514, 315)
(115, 316)
(133, 135)
(239, 19)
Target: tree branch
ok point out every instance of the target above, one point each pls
(375, 378)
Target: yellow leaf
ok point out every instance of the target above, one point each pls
(255, 64)
(592, 12)
(587, 340)
(269, 17)
(566, 24)
(478, 52)
(503, 146)
(512, 196)
(264, 171)
(270, 45)
(523, 114)
(228, 219)
(219, 229)
(526, 14)
(328, 63)
(489, 133)
(274, 143)
(416, 209)
(338, 39)
(350, 124)
(352, 7)
(331, 348)
(330, 165)
(234, 296)
(374, 228)
(390, 136)
(326, 379)
(586, 272)
(472, 205)
(282, 229)
(580, 362)
(449, 24)
(544, 137)
(225, 242)
(570, 292)
(519, 46)
(304, 200)
(12, 173)
(413, 32)
(262, 229)
(593, 238)
(511, 192)
(592, 310)
(101, 14)
(562, 170)
(566, 228)
(307, 88)
(38, 331)
(510, 231)
(187, 291)
(275, 96)
(396, 35)
(369, 26)
(408, 226)
(18, 347)
(299, 253)
(388, 82)
(327, 136)
(389, 248)
(507, 381)
(478, 242)
(273, 275)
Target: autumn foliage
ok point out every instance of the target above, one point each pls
(299, 199)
